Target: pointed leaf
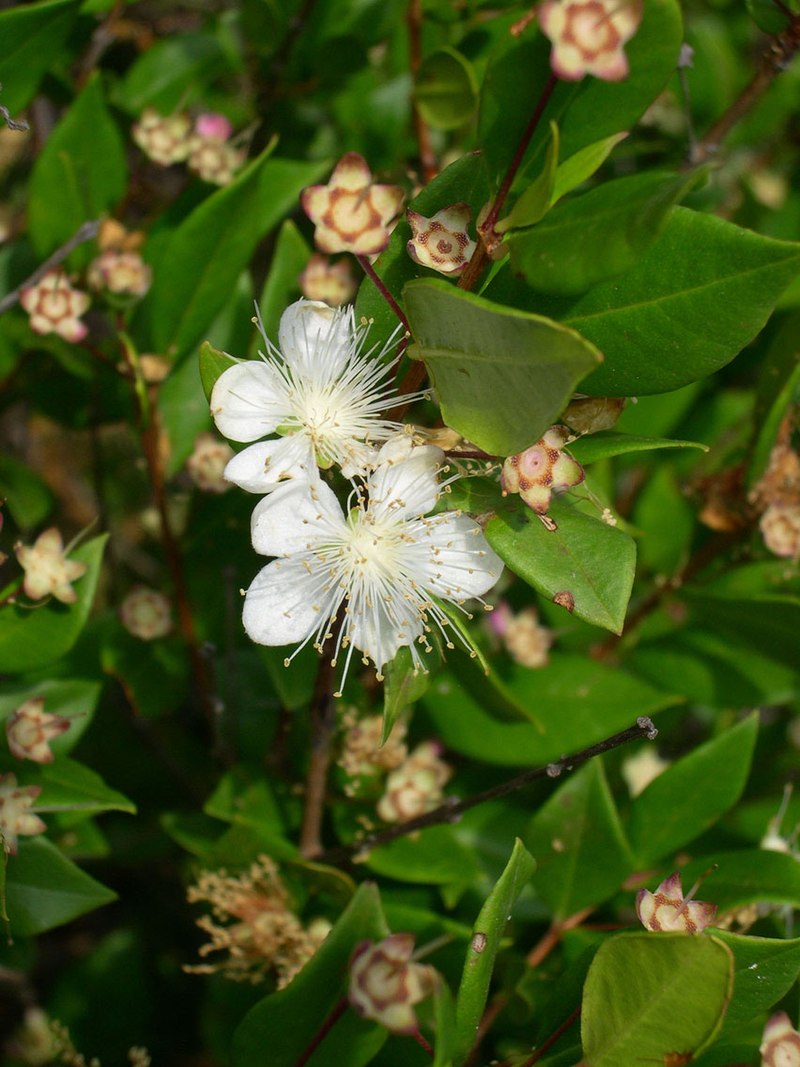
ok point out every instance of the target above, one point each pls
(579, 845)
(404, 685)
(70, 786)
(584, 558)
(765, 970)
(604, 445)
(590, 238)
(445, 92)
(537, 198)
(648, 995)
(485, 944)
(285, 1022)
(583, 164)
(213, 363)
(692, 794)
(33, 36)
(501, 375)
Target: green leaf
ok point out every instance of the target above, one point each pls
(436, 856)
(585, 111)
(33, 36)
(586, 558)
(534, 203)
(692, 794)
(404, 685)
(769, 623)
(583, 164)
(649, 995)
(282, 285)
(444, 1017)
(600, 701)
(577, 838)
(70, 786)
(590, 238)
(501, 375)
(778, 387)
(80, 174)
(653, 324)
(765, 971)
(27, 498)
(748, 876)
(445, 91)
(285, 1022)
(485, 944)
(213, 363)
(604, 445)
(44, 889)
(33, 637)
(208, 251)
(171, 73)
(184, 414)
(74, 698)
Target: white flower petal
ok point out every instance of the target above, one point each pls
(408, 486)
(264, 465)
(279, 606)
(294, 518)
(248, 401)
(462, 565)
(313, 335)
(380, 629)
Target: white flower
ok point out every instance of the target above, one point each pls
(321, 391)
(380, 570)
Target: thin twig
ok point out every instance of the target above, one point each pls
(327, 1025)
(86, 232)
(545, 1046)
(779, 53)
(453, 808)
(377, 281)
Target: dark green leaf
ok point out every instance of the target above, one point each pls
(70, 786)
(501, 375)
(444, 1016)
(768, 623)
(603, 233)
(80, 174)
(212, 364)
(604, 445)
(33, 36)
(404, 685)
(579, 845)
(26, 496)
(650, 995)
(692, 794)
(765, 971)
(590, 561)
(44, 889)
(209, 250)
(285, 1022)
(436, 856)
(746, 877)
(170, 74)
(485, 944)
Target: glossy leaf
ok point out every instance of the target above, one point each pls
(606, 444)
(583, 164)
(31, 639)
(592, 562)
(600, 700)
(285, 1022)
(404, 685)
(534, 203)
(165, 76)
(485, 944)
(213, 363)
(635, 1003)
(436, 856)
(579, 845)
(652, 323)
(33, 36)
(80, 174)
(444, 1018)
(70, 786)
(748, 876)
(765, 970)
(778, 386)
(44, 889)
(445, 92)
(589, 238)
(501, 375)
(692, 794)
(209, 250)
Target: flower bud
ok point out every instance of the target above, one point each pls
(441, 242)
(30, 729)
(588, 35)
(780, 1045)
(16, 816)
(55, 307)
(206, 465)
(164, 139)
(146, 614)
(47, 570)
(540, 469)
(385, 985)
(668, 910)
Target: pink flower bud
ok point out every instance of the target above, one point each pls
(210, 124)
(385, 985)
(540, 469)
(441, 242)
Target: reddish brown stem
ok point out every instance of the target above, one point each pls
(327, 1025)
(475, 266)
(377, 281)
(545, 1046)
(323, 723)
(779, 53)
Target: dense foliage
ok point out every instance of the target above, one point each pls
(575, 278)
